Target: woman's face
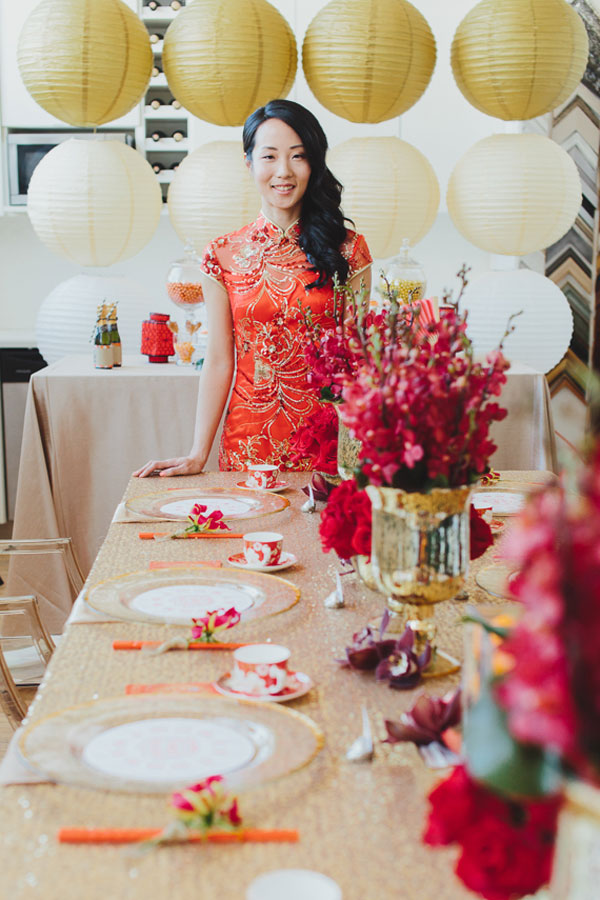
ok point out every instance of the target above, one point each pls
(280, 169)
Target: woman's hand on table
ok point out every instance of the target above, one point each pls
(178, 465)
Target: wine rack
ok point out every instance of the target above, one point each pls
(163, 117)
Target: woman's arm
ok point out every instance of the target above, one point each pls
(213, 389)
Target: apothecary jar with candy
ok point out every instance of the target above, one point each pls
(405, 276)
(184, 288)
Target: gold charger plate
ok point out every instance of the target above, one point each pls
(235, 504)
(178, 595)
(159, 743)
(495, 580)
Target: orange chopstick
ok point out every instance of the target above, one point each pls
(184, 564)
(200, 687)
(135, 835)
(150, 535)
(195, 645)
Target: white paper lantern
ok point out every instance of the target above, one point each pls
(212, 194)
(94, 202)
(514, 193)
(66, 318)
(390, 190)
(542, 332)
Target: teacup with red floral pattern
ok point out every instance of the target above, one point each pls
(260, 669)
(263, 548)
(262, 476)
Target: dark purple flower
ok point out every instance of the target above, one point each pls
(426, 721)
(368, 649)
(402, 668)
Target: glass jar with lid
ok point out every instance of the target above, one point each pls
(405, 276)
(184, 288)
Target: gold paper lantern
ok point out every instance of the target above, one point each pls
(94, 202)
(212, 194)
(390, 190)
(86, 62)
(514, 193)
(368, 60)
(518, 59)
(224, 58)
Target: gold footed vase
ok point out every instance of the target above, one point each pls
(420, 557)
(576, 867)
(364, 570)
(348, 449)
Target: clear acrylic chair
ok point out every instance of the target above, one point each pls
(27, 610)
(53, 546)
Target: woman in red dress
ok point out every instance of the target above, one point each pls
(258, 283)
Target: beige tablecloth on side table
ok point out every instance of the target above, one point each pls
(86, 430)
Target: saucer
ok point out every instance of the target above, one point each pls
(298, 685)
(239, 561)
(277, 487)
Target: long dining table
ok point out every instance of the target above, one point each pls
(359, 823)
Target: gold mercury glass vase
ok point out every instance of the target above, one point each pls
(348, 449)
(420, 557)
(576, 867)
(364, 570)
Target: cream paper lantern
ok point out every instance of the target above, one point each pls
(368, 60)
(390, 190)
(224, 58)
(94, 202)
(212, 194)
(514, 193)
(518, 59)
(86, 62)
(543, 330)
(65, 320)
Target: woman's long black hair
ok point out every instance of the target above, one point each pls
(322, 220)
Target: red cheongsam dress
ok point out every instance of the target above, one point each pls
(265, 274)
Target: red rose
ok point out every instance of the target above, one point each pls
(480, 532)
(327, 460)
(346, 521)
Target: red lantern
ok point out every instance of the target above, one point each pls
(157, 338)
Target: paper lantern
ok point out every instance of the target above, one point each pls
(390, 190)
(368, 60)
(514, 193)
(85, 62)
(543, 330)
(224, 58)
(94, 202)
(212, 194)
(65, 320)
(518, 59)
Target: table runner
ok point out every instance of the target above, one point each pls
(359, 823)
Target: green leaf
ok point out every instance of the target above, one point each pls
(487, 626)
(497, 759)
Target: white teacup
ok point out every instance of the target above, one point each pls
(262, 476)
(293, 884)
(263, 548)
(260, 669)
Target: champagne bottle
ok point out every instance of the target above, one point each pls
(103, 352)
(156, 103)
(175, 4)
(178, 135)
(153, 4)
(156, 71)
(115, 337)
(158, 167)
(156, 38)
(157, 135)
(175, 103)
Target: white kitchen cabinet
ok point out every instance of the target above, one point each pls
(19, 109)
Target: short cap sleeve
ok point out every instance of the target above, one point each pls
(355, 250)
(210, 263)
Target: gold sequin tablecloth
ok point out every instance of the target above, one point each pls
(359, 823)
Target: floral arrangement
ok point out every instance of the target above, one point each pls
(540, 714)
(421, 407)
(210, 627)
(199, 522)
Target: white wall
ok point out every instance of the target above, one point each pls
(442, 125)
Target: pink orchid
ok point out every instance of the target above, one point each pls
(208, 627)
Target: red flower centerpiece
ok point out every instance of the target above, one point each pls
(532, 735)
